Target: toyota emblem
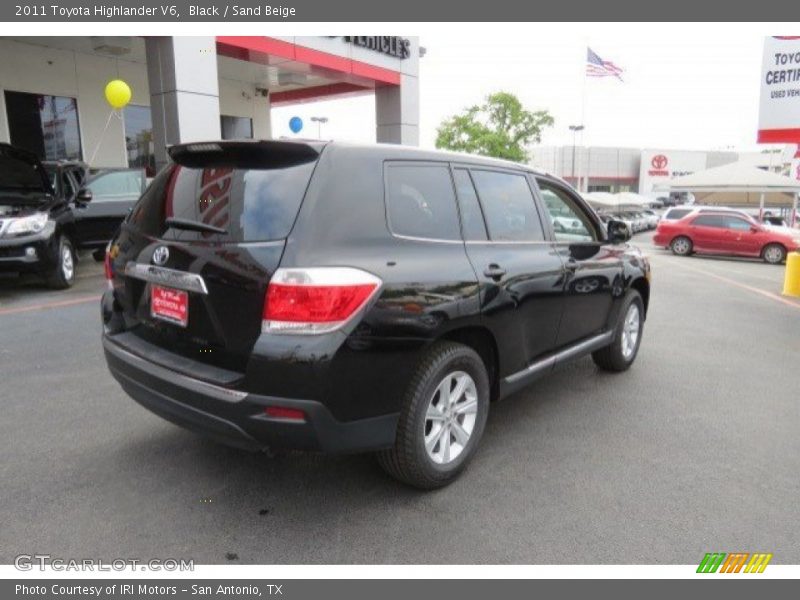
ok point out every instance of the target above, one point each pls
(659, 161)
(160, 255)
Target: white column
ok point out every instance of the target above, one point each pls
(184, 91)
(397, 112)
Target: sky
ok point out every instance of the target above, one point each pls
(683, 87)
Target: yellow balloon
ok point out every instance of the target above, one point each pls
(118, 93)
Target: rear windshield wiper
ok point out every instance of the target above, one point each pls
(193, 226)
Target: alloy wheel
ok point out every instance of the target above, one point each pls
(450, 418)
(630, 331)
(67, 263)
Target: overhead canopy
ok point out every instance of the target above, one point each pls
(737, 184)
(622, 201)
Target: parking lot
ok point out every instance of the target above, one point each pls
(695, 449)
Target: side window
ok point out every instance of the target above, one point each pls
(421, 202)
(471, 216)
(570, 222)
(709, 221)
(117, 185)
(737, 224)
(508, 206)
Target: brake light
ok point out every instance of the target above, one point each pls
(285, 413)
(109, 269)
(315, 300)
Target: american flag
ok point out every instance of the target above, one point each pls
(597, 67)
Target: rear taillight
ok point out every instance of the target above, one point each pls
(109, 269)
(284, 413)
(315, 300)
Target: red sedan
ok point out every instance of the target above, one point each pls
(725, 233)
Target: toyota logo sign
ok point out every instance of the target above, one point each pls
(659, 161)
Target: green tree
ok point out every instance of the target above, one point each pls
(500, 127)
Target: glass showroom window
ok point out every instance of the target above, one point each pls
(45, 125)
(139, 138)
(236, 128)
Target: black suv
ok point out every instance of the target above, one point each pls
(48, 210)
(344, 298)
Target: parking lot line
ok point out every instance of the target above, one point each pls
(744, 286)
(47, 305)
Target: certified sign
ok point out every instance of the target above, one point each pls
(779, 107)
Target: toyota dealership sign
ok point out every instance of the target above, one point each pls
(779, 107)
(657, 167)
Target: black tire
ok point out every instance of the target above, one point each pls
(612, 357)
(408, 460)
(774, 254)
(62, 276)
(681, 246)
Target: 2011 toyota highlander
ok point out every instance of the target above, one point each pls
(343, 298)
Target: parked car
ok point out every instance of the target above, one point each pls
(651, 218)
(348, 298)
(48, 212)
(725, 232)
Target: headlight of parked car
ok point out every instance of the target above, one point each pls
(31, 224)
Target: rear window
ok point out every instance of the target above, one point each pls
(251, 204)
(677, 213)
(421, 202)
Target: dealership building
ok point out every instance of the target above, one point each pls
(646, 171)
(190, 89)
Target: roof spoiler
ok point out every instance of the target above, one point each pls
(244, 154)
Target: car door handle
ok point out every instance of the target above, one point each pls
(494, 271)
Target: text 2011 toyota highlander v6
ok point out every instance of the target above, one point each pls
(342, 298)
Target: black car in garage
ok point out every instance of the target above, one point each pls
(50, 210)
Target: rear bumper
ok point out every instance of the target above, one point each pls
(237, 418)
(660, 239)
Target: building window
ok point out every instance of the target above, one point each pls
(139, 138)
(236, 128)
(45, 125)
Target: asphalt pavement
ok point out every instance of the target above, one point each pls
(695, 449)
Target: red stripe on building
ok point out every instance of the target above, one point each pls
(316, 93)
(778, 136)
(264, 50)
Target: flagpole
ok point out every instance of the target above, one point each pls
(584, 180)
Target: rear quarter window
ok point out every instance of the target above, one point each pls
(421, 202)
(676, 213)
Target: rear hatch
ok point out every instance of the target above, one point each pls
(193, 260)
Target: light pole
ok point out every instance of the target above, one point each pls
(319, 121)
(574, 129)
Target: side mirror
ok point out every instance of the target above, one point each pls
(84, 196)
(754, 228)
(618, 232)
